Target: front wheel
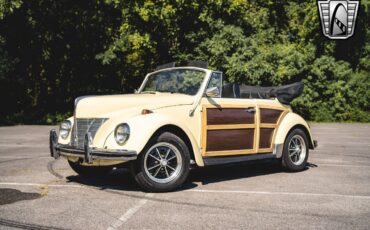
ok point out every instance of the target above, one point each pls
(163, 165)
(295, 153)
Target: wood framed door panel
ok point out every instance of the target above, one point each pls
(270, 118)
(228, 130)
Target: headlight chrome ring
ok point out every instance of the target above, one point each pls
(65, 128)
(122, 133)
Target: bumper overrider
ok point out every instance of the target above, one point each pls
(87, 153)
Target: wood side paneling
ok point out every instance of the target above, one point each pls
(266, 137)
(232, 139)
(225, 116)
(270, 115)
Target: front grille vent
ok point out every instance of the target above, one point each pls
(83, 126)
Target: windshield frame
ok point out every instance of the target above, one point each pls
(205, 79)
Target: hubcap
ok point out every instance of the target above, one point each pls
(162, 162)
(297, 149)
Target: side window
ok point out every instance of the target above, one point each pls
(216, 81)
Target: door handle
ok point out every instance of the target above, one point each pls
(250, 110)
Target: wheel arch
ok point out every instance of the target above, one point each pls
(305, 130)
(178, 132)
(290, 122)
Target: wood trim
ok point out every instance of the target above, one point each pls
(237, 126)
(228, 106)
(277, 126)
(257, 126)
(230, 152)
(230, 139)
(257, 130)
(266, 137)
(206, 127)
(265, 150)
(269, 115)
(204, 130)
(266, 125)
(229, 116)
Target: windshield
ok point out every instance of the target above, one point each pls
(185, 81)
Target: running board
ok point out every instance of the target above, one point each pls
(234, 159)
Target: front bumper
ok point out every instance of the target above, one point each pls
(87, 153)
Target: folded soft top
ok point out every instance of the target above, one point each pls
(285, 94)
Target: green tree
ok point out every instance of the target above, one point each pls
(54, 51)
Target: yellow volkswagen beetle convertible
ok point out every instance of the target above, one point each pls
(182, 117)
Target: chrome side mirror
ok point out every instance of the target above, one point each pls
(212, 92)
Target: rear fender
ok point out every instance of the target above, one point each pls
(290, 122)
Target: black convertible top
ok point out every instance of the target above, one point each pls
(285, 94)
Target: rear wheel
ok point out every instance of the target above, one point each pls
(163, 165)
(90, 171)
(295, 153)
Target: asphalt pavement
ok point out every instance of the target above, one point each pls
(38, 192)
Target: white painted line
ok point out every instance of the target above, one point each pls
(130, 212)
(16, 157)
(340, 165)
(39, 184)
(25, 145)
(277, 193)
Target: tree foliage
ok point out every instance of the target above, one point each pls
(54, 51)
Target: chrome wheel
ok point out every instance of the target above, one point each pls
(162, 162)
(297, 149)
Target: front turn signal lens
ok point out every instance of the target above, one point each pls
(146, 111)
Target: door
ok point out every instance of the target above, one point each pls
(228, 129)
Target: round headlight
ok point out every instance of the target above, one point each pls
(122, 133)
(65, 128)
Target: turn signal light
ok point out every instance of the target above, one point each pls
(146, 111)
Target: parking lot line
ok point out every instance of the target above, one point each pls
(342, 165)
(138, 206)
(24, 145)
(21, 157)
(39, 184)
(130, 212)
(277, 193)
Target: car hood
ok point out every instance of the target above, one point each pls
(96, 106)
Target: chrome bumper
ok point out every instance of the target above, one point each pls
(87, 153)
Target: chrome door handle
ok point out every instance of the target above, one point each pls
(250, 110)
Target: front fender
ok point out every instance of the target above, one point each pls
(143, 127)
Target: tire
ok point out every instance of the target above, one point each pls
(163, 165)
(296, 150)
(89, 171)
